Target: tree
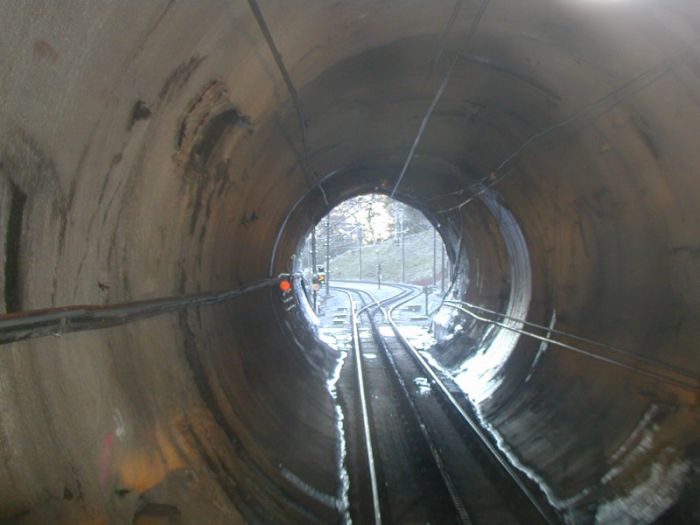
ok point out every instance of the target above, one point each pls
(363, 221)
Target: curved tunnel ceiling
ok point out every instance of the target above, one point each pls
(153, 150)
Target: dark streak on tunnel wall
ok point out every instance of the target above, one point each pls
(13, 241)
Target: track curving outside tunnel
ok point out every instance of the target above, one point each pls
(169, 155)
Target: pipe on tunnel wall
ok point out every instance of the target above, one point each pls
(150, 149)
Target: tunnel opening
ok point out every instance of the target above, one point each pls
(372, 237)
(371, 241)
(472, 353)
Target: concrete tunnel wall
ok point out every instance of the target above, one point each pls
(151, 149)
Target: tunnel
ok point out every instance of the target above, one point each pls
(173, 148)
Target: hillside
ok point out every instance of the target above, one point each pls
(419, 260)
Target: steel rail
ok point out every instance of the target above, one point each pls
(379, 304)
(642, 371)
(686, 380)
(545, 512)
(357, 353)
(358, 291)
(474, 425)
(367, 432)
(434, 450)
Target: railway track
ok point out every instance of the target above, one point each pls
(415, 453)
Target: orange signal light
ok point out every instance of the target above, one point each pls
(285, 285)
